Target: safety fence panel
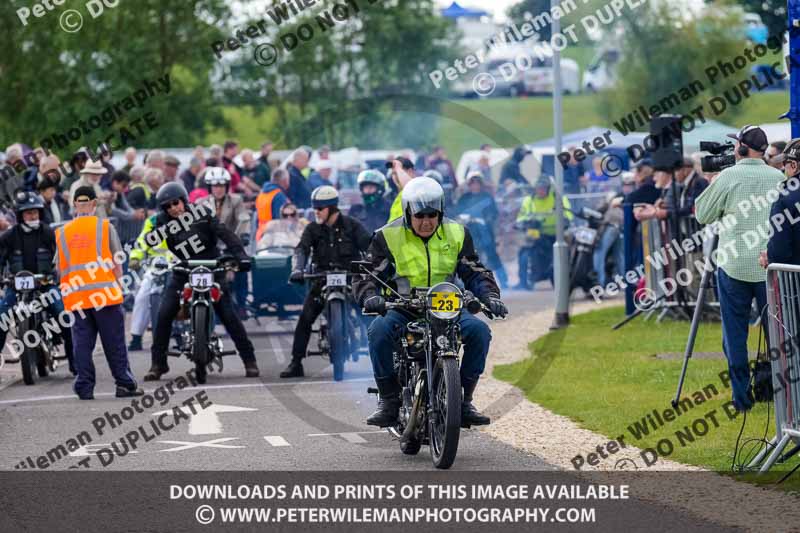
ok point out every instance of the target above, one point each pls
(783, 297)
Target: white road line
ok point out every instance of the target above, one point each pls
(276, 441)
(277, 349)
(353, 437)
(204, 387)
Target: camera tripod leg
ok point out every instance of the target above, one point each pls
(635, 314)
(705, 283)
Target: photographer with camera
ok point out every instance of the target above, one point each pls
(739, 276)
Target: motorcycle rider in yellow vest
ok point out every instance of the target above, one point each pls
(425, 248)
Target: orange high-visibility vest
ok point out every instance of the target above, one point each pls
(264, 210)
(86, 264)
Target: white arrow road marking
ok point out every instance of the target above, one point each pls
(207, 444)
(205, 421)
(276, 441)
(353, 437)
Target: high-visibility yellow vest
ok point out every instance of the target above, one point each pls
(424, 264)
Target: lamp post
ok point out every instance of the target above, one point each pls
(560, 250)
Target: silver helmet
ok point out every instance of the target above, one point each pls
(421, 195)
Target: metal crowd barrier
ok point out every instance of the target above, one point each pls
(783, 298)
(670, 293)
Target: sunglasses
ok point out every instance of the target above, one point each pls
(289, 215)
(420, 216)
(169, 205)
(320, 208)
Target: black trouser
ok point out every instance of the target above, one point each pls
(169, 309)
(312, 307)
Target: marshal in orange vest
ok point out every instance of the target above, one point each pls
(86, 264)
(264, 210)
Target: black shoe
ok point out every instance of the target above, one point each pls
(125, 392)
(155, 373)
(469, 415)
(294, 370)
(136, 343)
(251, 369)
(388, 403)
(89, 397)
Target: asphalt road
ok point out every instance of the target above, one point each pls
(254, 424)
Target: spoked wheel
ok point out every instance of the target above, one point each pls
(337, 338)
(445, 419)
(200, 342)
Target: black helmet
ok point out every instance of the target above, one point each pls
(24, 201)
(171, 191)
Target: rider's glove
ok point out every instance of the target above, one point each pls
(496, 306)
(296, 276)
(134, 264)
(375, 304)
(244, 265)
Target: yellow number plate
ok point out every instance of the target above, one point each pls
(533, 233)
(445, 301)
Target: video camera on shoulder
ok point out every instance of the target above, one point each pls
(721, 158)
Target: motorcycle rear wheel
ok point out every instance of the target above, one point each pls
(445, 422)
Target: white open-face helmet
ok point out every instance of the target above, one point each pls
(216, 176)
(325, 196)
(422, 195)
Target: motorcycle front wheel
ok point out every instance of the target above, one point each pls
(445, 420)
(28, 358)
(337, 338)
(200, 318)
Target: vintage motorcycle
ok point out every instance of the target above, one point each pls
(583, 240)
(427, 367)
(200, 344)
(341, 332)
(539, 250)
(38, 343)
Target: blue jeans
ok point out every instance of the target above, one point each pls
(735, 299)
(609, 241)
(385, 331)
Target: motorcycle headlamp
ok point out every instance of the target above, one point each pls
(445, 301)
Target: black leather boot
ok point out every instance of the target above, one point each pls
(294, 370)
(251, 369)
(469, 415)
(136, 343)
(388, 403)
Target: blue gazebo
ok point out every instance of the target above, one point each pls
(455, 11)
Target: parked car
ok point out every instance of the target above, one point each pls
(602, 71)
(539, 78)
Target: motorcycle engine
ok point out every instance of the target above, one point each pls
(416, 341)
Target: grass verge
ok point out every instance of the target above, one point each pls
(610, 381)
